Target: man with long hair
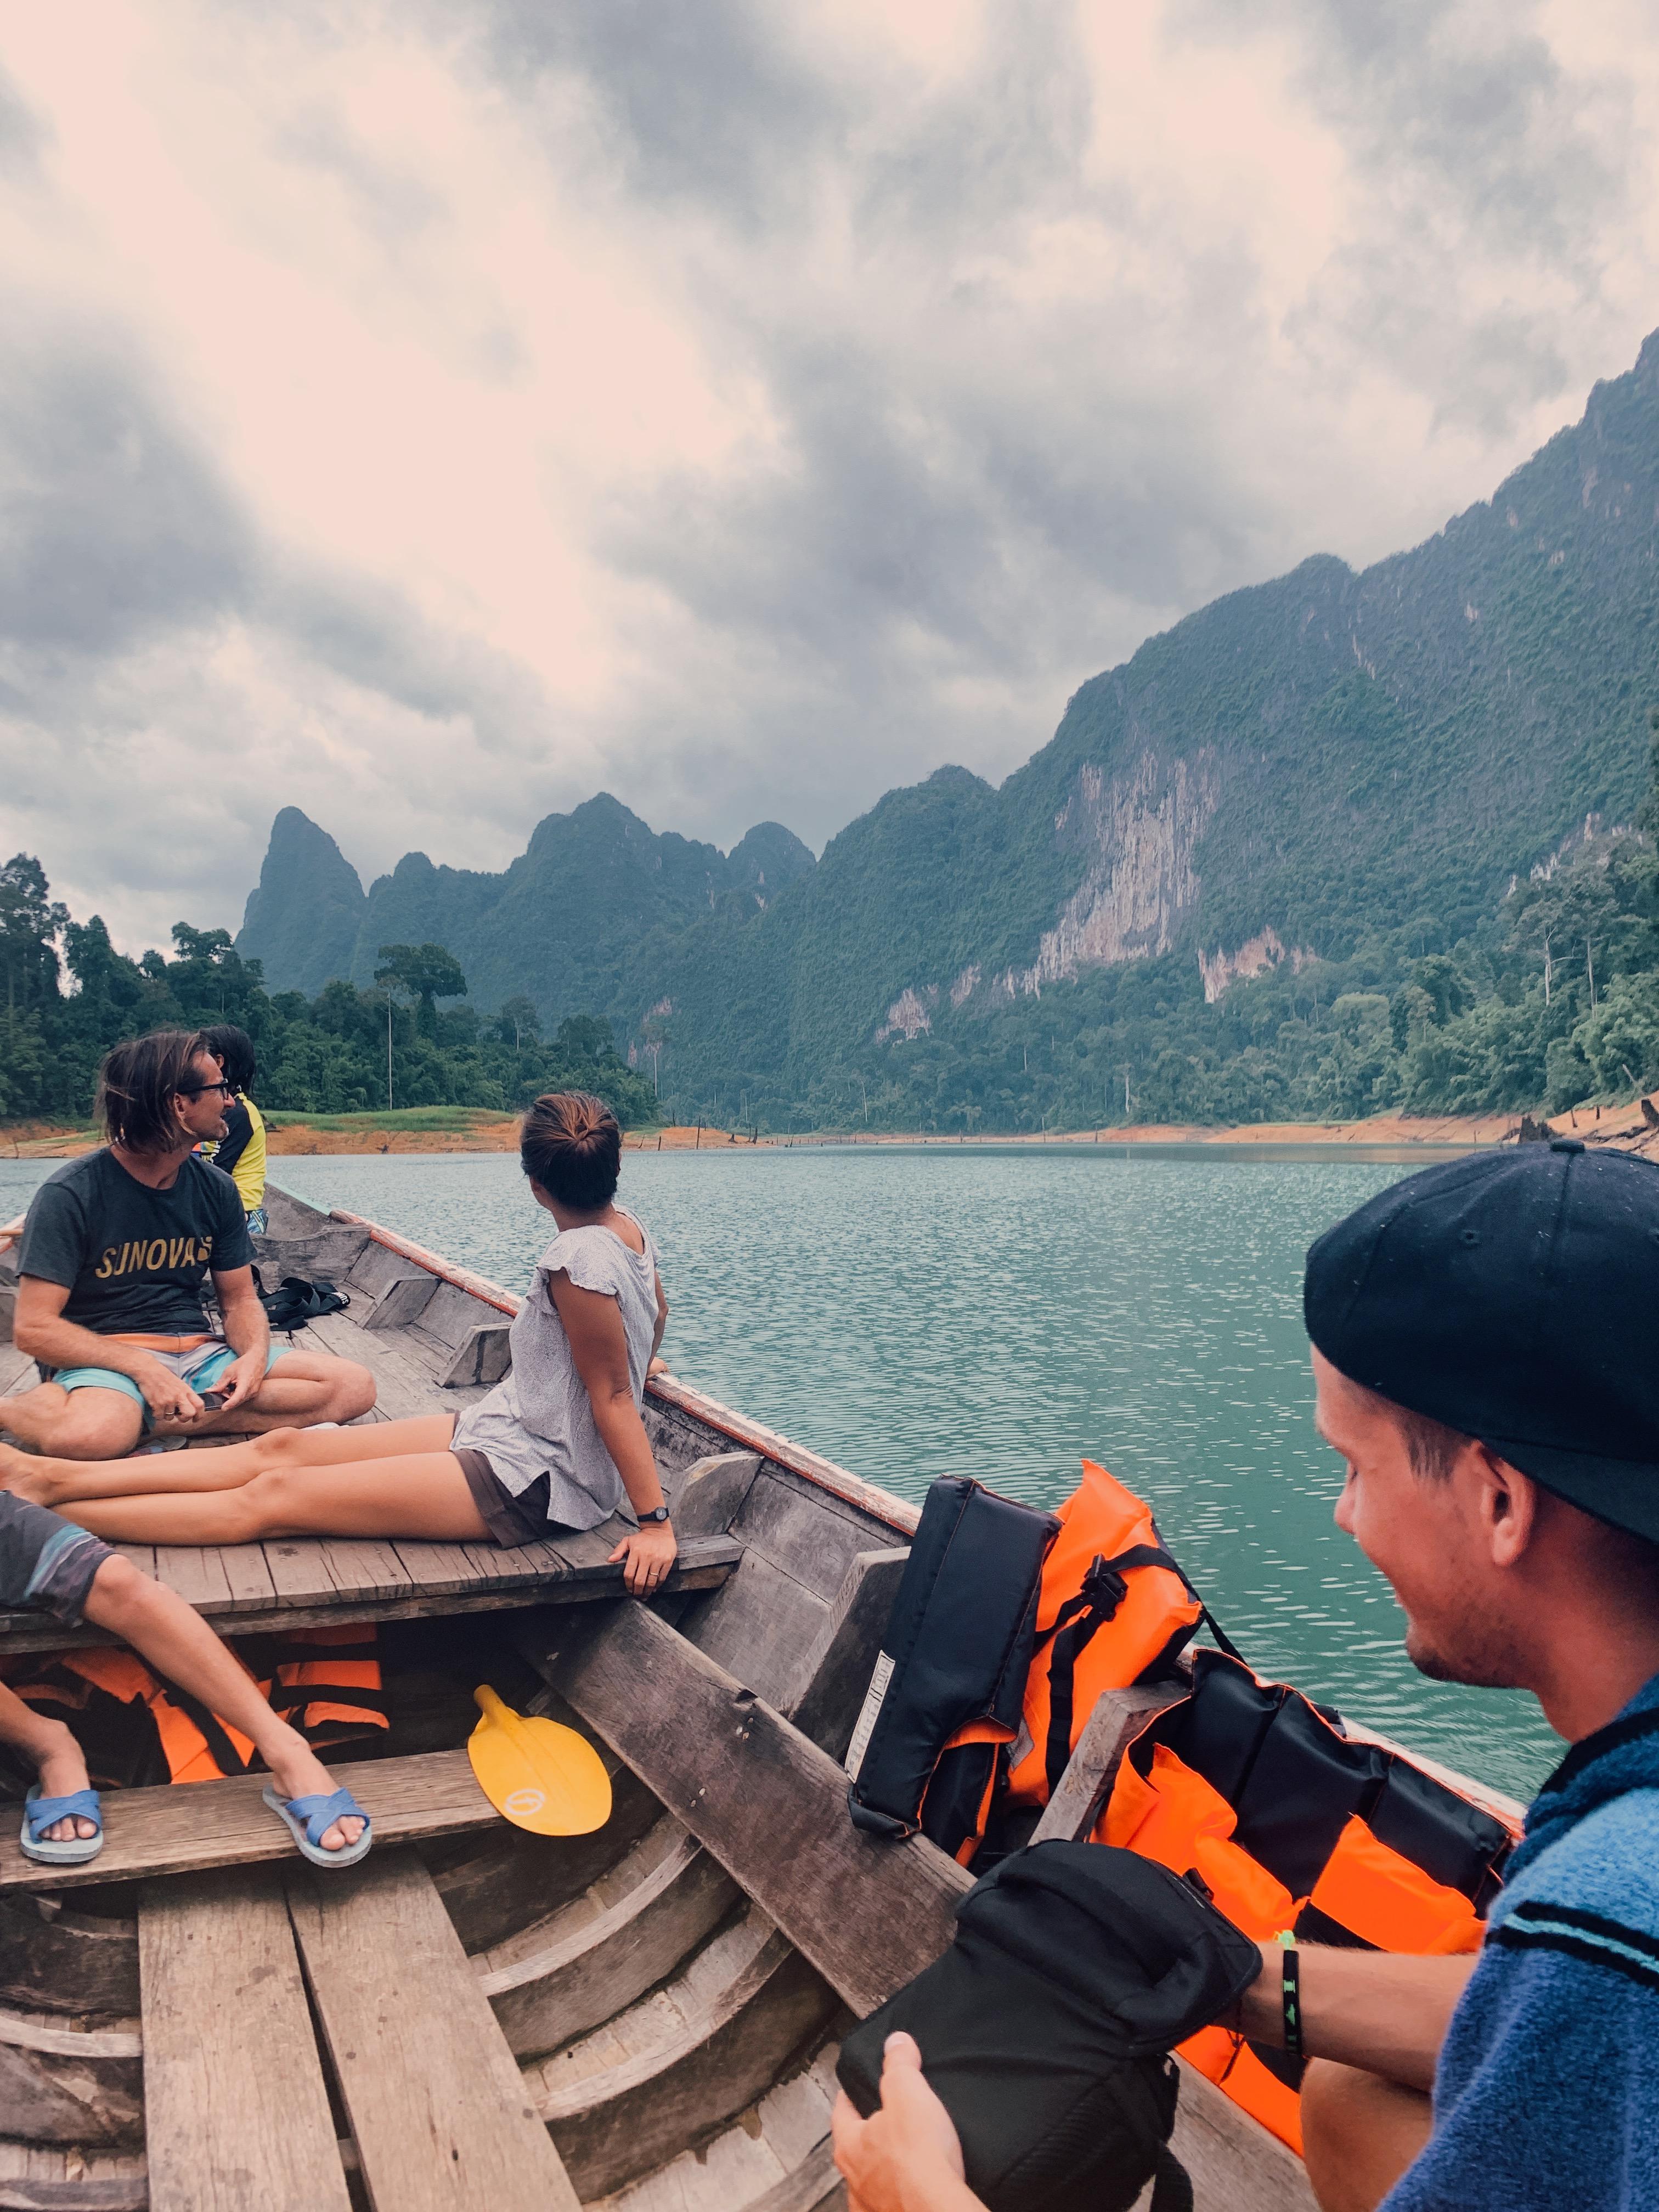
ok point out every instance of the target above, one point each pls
(117, 1249)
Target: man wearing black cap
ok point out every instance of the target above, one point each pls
(1484, 1351)
(1484, 1348)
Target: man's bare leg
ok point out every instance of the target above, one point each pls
(88, 1423)
(302, 1387)
(179, 1644)
(59, 1482)
(1359, 2134)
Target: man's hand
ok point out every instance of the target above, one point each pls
(168, 1397)
(647, 1553)
(240, 1380)
(905, 2158)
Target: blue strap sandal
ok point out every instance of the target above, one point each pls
(41, 1813)
(308, 1818)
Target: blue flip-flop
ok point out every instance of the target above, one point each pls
(307, 1818)
(40, 1812)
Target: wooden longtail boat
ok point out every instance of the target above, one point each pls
(645, 2018)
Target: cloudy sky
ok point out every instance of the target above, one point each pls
(430, 413)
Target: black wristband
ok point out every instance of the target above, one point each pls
(1292, 1994)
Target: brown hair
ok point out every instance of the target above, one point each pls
(570, 1144)
(136, 1088)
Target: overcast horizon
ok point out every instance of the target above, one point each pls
(431, 416)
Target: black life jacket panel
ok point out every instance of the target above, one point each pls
(956, 1652)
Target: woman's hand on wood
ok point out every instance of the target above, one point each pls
(646, 1553)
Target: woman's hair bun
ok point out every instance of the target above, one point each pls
(570, 1146)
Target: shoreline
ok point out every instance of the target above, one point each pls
(1634, 1128)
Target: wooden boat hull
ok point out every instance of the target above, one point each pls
(664, 1996)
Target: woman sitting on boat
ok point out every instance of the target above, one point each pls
(558, 1445)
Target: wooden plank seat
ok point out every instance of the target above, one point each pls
(168, 1831)
(301, 1582)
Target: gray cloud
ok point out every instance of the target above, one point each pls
(111, 524)
(1001, 383)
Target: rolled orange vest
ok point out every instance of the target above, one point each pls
(1112, 1608)
(136, 1731)
(1286, 1823)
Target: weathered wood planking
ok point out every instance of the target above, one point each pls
(235, 2109)
(305, 1581)
(214, 1824)
(1118, 1717)
(769, 1804)
(442, 2117)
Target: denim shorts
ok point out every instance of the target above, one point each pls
(200, 1369)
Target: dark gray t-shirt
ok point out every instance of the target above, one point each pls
(134, 1259)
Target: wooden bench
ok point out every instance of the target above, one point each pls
(303, 1582)
(168, 1831)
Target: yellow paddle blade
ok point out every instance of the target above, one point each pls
(536, 1774)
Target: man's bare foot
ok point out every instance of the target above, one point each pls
(62, 1772)
(302, 1774)
(25, 1476)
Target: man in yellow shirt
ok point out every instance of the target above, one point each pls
(241, 1151)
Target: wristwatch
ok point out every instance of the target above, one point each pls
(657, 1513)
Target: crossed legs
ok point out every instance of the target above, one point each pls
(95, 1424)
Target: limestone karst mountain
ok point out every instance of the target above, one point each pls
(1285, 774)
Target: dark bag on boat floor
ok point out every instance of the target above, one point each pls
(1045, 2028)
(295, 1301)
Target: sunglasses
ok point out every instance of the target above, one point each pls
(201, 1090)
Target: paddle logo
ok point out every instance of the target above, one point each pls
(524, 1804)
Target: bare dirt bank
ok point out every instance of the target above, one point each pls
(1634, 1128)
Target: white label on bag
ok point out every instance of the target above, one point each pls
(873, 1698)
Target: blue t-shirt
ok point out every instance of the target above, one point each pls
(1546, 2096)
(134, 1260)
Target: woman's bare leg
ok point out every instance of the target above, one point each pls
(59, 1482)
(421, 1494)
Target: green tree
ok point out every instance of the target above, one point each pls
(426, 973)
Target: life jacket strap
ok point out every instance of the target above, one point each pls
(1172, 2186)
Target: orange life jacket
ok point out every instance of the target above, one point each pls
(1356, 1888)
(136, 1729)
(1112, 1608)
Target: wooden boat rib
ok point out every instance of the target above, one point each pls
(645, 2018)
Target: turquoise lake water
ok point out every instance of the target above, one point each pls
(1000, 1313)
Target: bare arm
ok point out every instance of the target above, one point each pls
(247, 1332)
(39, 1329)
(598, 1345)
(1375, 2009)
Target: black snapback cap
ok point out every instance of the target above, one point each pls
(1512, 1295)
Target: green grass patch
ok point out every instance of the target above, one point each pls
(400, 1117)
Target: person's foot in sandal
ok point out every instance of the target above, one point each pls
(302, 1774)
(63, 1771)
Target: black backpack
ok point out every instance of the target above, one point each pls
(1045, 2028)
(297, 1301)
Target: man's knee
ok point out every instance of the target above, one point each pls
(116, 1588)
(82, 1427)
(1359, 2133)
(351, 1391)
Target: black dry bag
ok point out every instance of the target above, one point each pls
(1045, 2028)
(295, 1301)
